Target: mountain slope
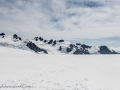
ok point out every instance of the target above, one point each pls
(40, 45)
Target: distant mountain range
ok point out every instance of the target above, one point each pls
(43, 46)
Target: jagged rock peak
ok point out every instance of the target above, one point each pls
(51, 41)
(35, 48)
(106, 50)
(61, 40)
(2, 34)
(15, 36)
(51, 46)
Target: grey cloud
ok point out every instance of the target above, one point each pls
(109, 41)
(59, 27)
(55, 18)
(84, 3)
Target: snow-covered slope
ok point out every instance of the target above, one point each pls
(40, 45)
(29, 71)
(14, 51)
(117, 49)
(9, 41)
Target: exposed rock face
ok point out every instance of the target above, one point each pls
(105, 50)
(16, 37)
(71, 45)
(19, 38)
(56, 46)
(50, 42)
(71, 48)
(35, 48)
(2, 34)
(81, 51)
(78, 44)
(40, 38)
(61, 40)
(78, 51)
(60, 48)
(54, 42)
(45, 41)
(36, 38)
(85, 46)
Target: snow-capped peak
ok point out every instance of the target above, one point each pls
(41, 45)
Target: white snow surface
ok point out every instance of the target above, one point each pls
(116, 49)
(8, 41)
(58, 72)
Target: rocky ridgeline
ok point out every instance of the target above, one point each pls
(29, 44)
(35, 48)
(76, 49)
(16, 37)
(83, 50)
(51, 41)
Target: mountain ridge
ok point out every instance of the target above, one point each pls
(43, 46)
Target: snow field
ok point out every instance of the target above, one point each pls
(58, 72)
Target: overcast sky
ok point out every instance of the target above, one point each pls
(93, 22)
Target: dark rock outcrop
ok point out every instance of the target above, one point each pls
(86, 52)
(60, 48)
(45, 41)
(69, 49)
(106, 50)
(35, 48)
(81, 51)
(36, 38)
(16, 37)
(61, 40)
(78, 44)
(85, 46)
(40, 38)
(2, 34)
(19, 38)
(54, 42)
(71, 45)
(50, 42)
(78, 51)
(63, 47)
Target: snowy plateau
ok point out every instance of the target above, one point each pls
(23, 68)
